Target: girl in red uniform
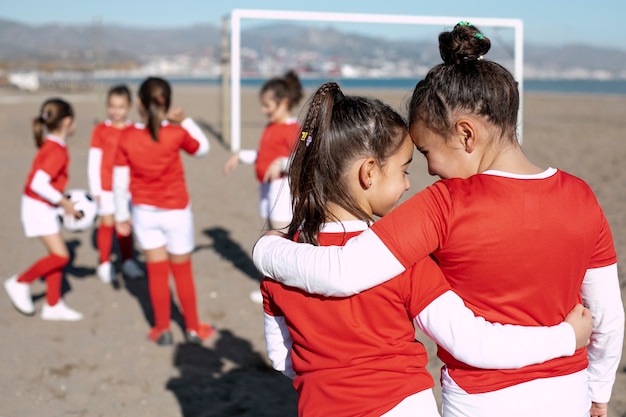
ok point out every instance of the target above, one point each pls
(519, 243)
(278, 98)
(43, 193)
(148, 164)
(358, 355)
(104, 140)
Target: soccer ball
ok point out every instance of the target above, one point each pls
(85, 205)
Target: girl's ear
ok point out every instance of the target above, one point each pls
(367, 172)
(466, 131)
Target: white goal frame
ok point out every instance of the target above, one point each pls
(237, 15)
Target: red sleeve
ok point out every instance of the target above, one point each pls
(426, 283)
(269, 307)
(121, 158)
(604, 252)
(189, 144)
(96, 138)
(417, 227)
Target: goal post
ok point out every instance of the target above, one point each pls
(237, 15)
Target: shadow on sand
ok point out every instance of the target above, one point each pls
(229, 380)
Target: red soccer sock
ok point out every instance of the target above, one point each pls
(53, 284)
(126, 246)
(186, 290)
(104, 240)
(43, 267)
(158, 287)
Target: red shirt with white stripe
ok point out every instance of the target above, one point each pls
(54, 159)
(106, 137)
(157, 177)
(357, 355)
(278, 141)
(516, 250)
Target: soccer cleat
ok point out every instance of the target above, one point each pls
(60, 311)
(131, 269)
(106, 272)
(161, 337)
(196, 337)
(19, 294)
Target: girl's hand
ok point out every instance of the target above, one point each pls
(599, 409)
(274, 171)
(176, 115)
(68, 208)
(232, 163)
(123, 228)
(580, 319)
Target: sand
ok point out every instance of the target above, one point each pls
(103, 365)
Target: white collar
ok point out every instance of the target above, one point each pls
(542, 175)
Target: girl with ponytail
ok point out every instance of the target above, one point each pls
(149, 166)
(43, 194)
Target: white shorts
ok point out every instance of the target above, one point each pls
(39, 218)
(421, 404)
(566, 395)
(154, 227)
(106, 205)
(275, 202)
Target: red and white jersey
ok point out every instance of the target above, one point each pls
(277, 141)
(54, 160)
(357, 355)
(102, 149)
(156, 170)
(515, 249)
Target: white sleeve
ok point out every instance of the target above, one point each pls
(340, 271)
(198, 135)
(601, 295)
(40, 184)
(483, 344)
(94, 163)
(121, 180)
(248, 156)
(278, 344)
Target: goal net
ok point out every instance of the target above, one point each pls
(232, 57)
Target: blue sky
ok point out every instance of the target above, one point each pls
(556, 22)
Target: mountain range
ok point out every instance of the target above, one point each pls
(88, 47)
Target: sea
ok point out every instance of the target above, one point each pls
(613, 87)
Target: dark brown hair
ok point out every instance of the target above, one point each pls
(337, 130)
(52, 112)
(285, 87)
(155, 95)
(467, 82)
(120, 90)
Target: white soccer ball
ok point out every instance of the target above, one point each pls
(84, 204)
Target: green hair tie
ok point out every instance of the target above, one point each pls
(464, 23)
(479, 36)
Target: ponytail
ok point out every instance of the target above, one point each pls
(337, 130)
(51, 114)
(155, 96)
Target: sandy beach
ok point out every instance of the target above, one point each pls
(104, 366)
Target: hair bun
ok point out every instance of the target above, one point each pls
(465, 43)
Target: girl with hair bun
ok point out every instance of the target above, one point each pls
(43, 194)
(148, 164)
(521, 244)
(358, 355)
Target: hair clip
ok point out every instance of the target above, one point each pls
(303, 135)
(478, 35)
(464, 23)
